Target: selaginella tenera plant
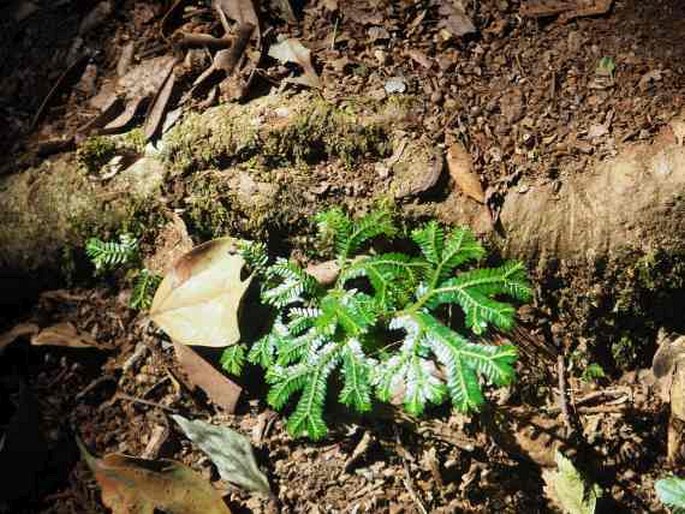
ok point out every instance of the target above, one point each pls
(381, 325)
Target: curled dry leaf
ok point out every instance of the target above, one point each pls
(17, 331)
(217, 386)
(63, 334)
(460, 166)
(132, 485)
(292, 51)
(230, 451)
(198, 301)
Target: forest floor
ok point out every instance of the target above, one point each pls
(536, 90)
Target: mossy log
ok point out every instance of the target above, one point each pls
(605, 242)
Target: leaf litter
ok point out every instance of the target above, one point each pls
(230, 451)
(131, 485)
(463, 59)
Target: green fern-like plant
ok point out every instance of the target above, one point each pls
(144, 287)
(347, 329)
(111, 254)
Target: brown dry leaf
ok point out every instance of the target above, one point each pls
(569, 9)
(63, 334)
(197, 303)
(17, 331)
(171, 244)
(291, 50)
(454, 18)
(325, 273)
(132, 485)
(219, 389)
(158, 108)
(460, 166)
(242, 11)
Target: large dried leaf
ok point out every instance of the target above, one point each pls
(197, 303)
(292, 51)
(139, 486)
(569, 490)
(216, 385)
(230, 451)
(460, 166)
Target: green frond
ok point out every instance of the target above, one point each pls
(509, 279)
(374, 224)
(431, 240)
(285, 382)
(465, 362)
(473, 291)
(422, 386)
(287, 283)
(354, 312)
(349, 236)
(301, 319)
(293, 349)
(307, 418)
(107, 255)
(356, 374)
(233, 359)
(144, 289)
(255, 255)
(263, 351)
(393, 276)
(461, 246)
(390, 375)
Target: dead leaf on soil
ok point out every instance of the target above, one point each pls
(569, 9)
(159, 106)
(569, 490)
(454, 18)
(217, 386)
(197, 303)
(230, 451)
(292, 51)
(132, 485)
(242, 11)
(460, 166)
(325, 273)
(64, 334)
(17, 331)
(171, 244)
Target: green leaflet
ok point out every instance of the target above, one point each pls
(108, 255)
(671, 492)
(356, 373)
(376, 329)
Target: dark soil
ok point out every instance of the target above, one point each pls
(526, 98)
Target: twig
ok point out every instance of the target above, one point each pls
(563, 403)
(95, 383)
(121, 396)
(408, 481)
